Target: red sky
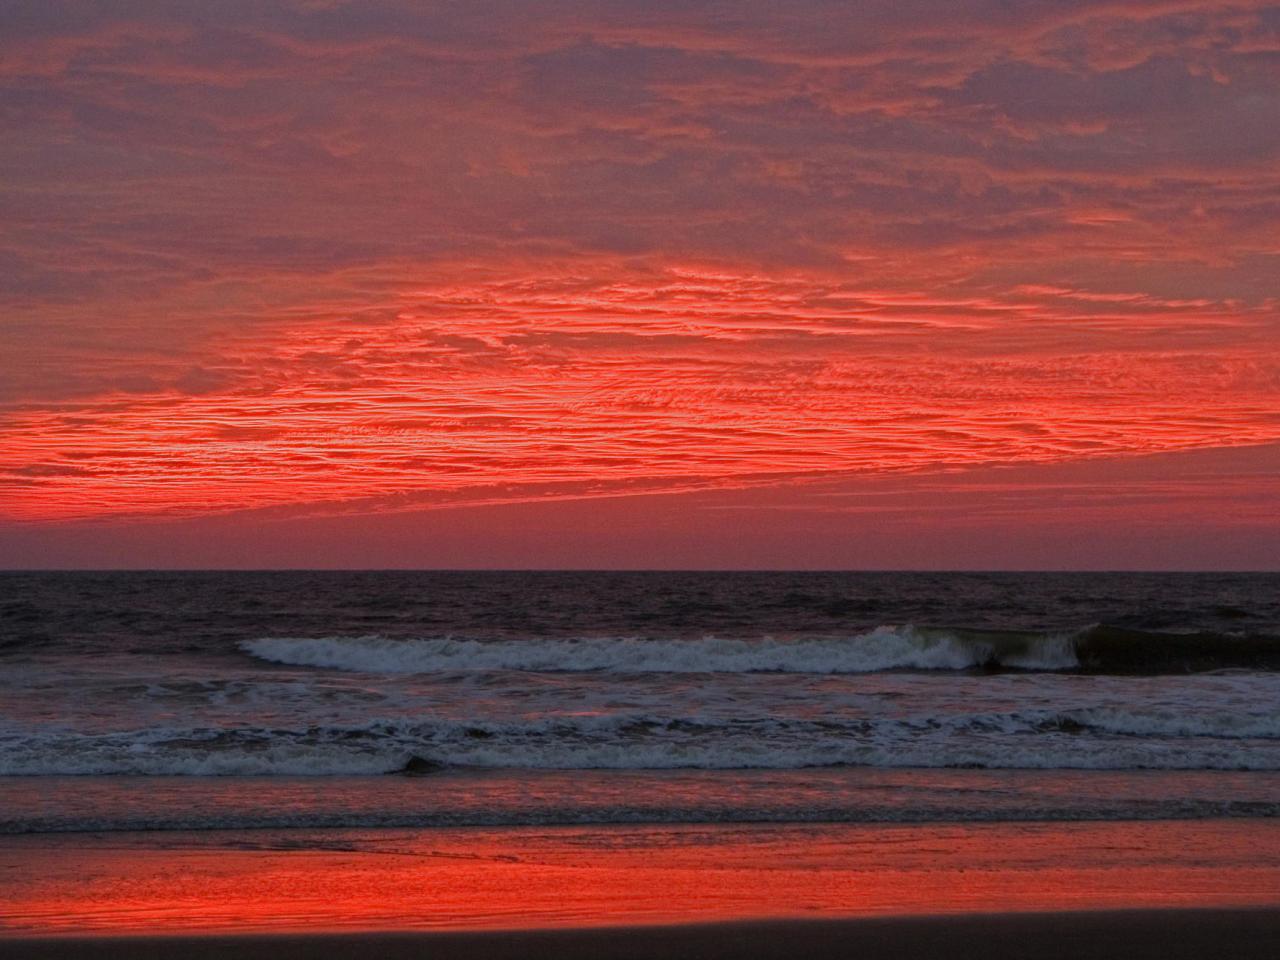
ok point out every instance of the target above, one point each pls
(906, 284)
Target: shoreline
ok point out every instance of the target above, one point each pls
(496, 799)
(1243, 934)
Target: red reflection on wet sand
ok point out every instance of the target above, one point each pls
(555, 877)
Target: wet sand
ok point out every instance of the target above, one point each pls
(1165, 889)
(1134, 935)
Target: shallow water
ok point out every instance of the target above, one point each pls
(615, 876)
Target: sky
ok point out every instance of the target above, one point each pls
(908, 284)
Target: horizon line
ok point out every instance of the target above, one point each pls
(912, 570)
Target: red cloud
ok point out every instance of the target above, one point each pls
(375, 256)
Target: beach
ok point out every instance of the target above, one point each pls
(640, 765)
(1098, 889)
(1158, 935)
(640, 479)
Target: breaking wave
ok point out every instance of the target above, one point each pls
(1096, 649)
(885, 648)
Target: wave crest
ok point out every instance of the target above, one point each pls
(885, 648)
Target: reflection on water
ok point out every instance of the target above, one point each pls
(574, 876)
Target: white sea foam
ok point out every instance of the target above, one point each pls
(885, 648)
(1081, 739)
(1178, 721)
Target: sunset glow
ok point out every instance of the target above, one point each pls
(306, 260)
(505, 879)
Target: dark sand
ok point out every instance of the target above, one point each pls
(1132, 935)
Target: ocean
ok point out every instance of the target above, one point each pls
(276, 700)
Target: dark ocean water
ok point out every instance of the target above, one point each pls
(173, 613)
(563, 697)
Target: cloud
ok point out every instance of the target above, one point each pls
(520, 387)
(295, 253)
